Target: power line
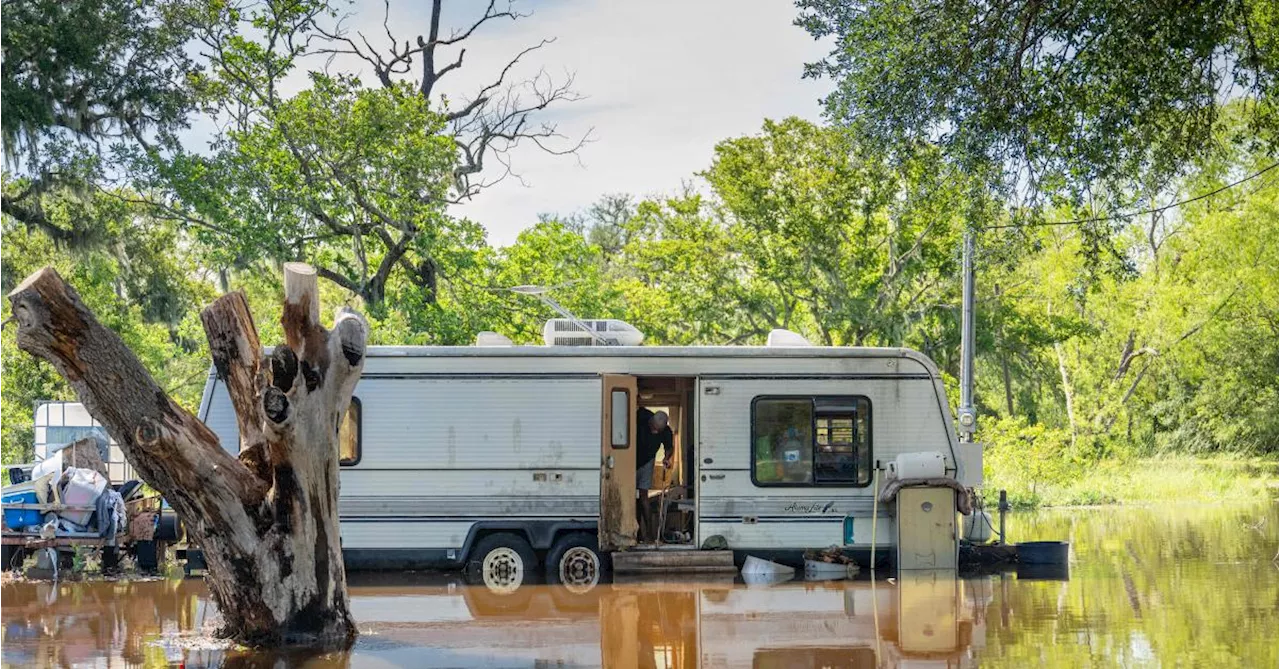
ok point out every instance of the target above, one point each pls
(1118, 217)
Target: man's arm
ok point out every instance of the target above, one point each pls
(668, 448)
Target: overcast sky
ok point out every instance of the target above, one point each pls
(664, 80)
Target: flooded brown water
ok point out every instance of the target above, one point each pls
(1185, 586)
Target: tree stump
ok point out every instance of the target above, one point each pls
(266, 521)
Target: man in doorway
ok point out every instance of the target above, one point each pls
(652, 431)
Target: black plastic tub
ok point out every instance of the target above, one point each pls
(1043, 552)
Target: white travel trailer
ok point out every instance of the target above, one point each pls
(511, 456)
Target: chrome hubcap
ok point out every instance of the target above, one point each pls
(502, 570)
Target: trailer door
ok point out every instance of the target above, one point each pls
(617, 526)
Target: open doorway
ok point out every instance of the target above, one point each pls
(671, 506)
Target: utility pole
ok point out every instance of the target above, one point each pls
(968, 416)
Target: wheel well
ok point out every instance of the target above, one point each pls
(541, 534)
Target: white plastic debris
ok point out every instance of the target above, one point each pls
(755, 565)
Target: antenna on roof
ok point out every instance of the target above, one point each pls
(540, 292)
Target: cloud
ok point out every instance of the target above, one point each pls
(664, 81)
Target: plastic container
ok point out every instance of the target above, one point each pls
(1043, 552)
(927, 465)
(755, 565)
(50, 465)
(977, 527)
(83, 489)
(17, 519)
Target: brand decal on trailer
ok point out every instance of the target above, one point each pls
(816, 507)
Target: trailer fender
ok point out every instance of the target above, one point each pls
(539, 533)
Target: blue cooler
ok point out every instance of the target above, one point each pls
(17, 519)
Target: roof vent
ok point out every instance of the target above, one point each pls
(782, 337)
(602, 332)
(487, 338)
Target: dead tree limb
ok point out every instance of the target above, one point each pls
(267, 522)
(489, 123)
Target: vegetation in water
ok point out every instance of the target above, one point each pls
(1112, 354)
(1180, 585)
(1035, 475)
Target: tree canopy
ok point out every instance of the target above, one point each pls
(1086, 101)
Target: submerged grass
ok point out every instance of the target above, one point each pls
(1133, 480)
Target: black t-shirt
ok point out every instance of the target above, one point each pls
(648, 441)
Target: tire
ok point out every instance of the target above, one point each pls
(575, 562)
(169, 527)
(147, 554)
(502, 563)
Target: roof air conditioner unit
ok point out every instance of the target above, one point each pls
(782, 337)
(565, 332)
(487, 338)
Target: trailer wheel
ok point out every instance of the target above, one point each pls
(575, 562)
(502, 562)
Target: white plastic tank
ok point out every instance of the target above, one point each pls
(977, 527)
(927, 465)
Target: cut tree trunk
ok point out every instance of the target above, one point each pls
(266, 521)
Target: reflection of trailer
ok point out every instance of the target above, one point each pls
(58, 424)
(926, 619)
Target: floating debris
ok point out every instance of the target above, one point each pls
(829, 564)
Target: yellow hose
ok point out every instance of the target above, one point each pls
(875, 601)
(875, 514)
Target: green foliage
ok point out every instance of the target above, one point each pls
(135, 282)
(807, 231)
(97, 69)
(550, 254)
(1038, 466)
(351, 179)
(83, 81)
(1077, 99)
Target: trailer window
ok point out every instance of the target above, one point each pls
(620, 419)
(811, 441)
(349, 434)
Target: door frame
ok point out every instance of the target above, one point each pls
(617, 527)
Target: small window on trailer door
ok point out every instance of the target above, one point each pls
(804, 441)
(349, 434)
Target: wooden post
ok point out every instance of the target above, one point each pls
(267, 521)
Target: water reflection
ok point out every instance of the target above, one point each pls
(1147, 587)
(72, 624)
(437, 621)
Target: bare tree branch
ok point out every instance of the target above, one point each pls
(485, 93)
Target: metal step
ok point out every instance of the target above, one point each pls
(657, 562)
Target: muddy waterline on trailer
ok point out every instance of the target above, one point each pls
(1186, 586)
